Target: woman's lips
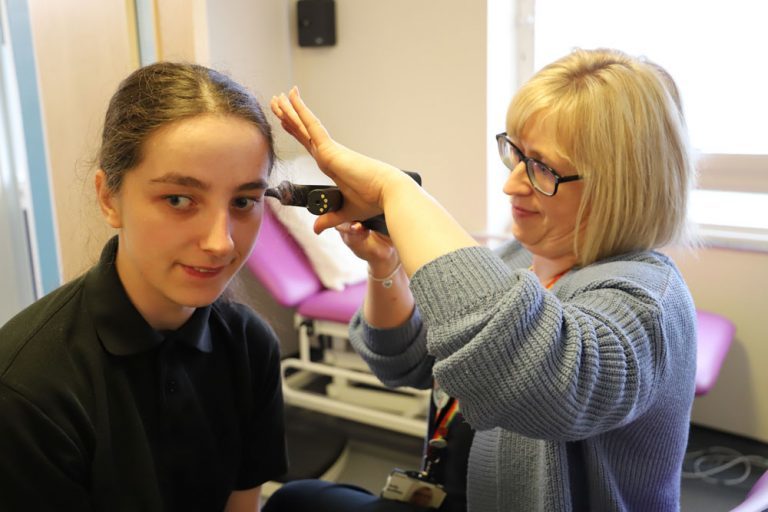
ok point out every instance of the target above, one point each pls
(520, 213)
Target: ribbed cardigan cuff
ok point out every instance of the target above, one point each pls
(397, 356)
(391, 342)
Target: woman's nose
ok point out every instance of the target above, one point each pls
(517, 182)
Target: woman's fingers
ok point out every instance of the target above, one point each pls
(299, 121)
(289, 119)
(329, 220)
(350, 228)
(314, 128)
(289, 116)
(353, 238)
(273, 105)
(292, 116)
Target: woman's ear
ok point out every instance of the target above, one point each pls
(108, 203)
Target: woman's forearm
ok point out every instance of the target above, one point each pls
(388, 300)
(420, 228)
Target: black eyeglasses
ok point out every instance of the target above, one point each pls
(543, 178)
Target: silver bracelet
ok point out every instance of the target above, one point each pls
(386, 282)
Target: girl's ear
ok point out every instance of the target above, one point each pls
(108, 203)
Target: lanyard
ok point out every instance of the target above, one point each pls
(444, 417)
(555, 279)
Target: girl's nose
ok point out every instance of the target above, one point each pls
(217, 238)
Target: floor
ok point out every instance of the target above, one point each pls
(373, 453)
(700, 495)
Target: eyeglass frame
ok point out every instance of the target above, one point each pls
(529, 162)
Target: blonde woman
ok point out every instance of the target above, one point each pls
(571, 350)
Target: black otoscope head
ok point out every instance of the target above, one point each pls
(320, 199)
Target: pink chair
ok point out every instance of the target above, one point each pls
(757, 498)
(715, 334)
(282, 267)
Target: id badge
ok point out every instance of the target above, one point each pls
(411, 487)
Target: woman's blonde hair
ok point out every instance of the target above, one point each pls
(619, 122)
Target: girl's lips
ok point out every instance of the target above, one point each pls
(202, 272)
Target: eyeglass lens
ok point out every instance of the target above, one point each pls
(541, 177)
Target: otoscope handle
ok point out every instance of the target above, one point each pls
(379, 223)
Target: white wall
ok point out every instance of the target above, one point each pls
(406, 83)
(250, 40)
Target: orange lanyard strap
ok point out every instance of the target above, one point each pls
(555, 279)
(444, 418)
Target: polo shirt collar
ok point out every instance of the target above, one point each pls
(119, 325)
(195, 332)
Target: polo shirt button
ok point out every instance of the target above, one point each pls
(171, 386)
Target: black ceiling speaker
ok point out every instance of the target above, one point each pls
(317, 22)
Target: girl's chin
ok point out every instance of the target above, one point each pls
(200, 300)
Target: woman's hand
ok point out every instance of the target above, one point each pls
(386, 305)
(368, 245)
(362, 180)
(419, 226)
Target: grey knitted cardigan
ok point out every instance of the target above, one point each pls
(580, 396)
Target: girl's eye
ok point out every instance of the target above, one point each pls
(178, 202)
(244, 204)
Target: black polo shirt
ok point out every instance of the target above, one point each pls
(98, 411)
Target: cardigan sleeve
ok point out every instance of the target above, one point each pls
(562, 366)
(398, 356)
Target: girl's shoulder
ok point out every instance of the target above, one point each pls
(243, 322)
(52, 312)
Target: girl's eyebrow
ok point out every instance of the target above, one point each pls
(253, 185)
(175, 178)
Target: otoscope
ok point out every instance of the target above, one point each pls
(320, 199)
